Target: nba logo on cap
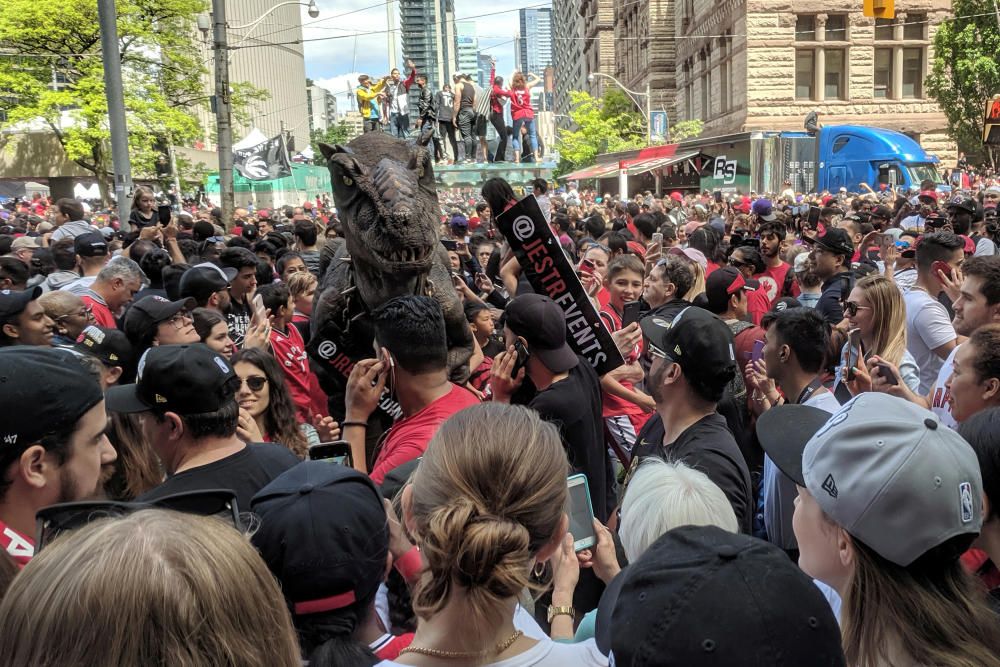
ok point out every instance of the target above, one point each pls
(965, 491)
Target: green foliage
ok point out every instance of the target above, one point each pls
(163, 70)
(966, 69)
(686, 129)
(603, 126)
(335, 134)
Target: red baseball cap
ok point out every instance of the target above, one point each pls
(676, 196)
(929, 194)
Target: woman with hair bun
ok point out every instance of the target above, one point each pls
(480, 538)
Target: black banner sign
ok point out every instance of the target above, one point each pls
(550, 272)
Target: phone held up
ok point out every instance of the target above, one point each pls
(338, 451)
(163, 214)
(853, 352)
(630, 312)
(581, 513)
(522, 357)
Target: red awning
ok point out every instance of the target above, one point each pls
(649, 164)
(594, 171)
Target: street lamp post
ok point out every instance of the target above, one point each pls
(223, 112)
(647, 107)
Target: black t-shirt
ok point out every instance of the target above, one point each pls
(574, 406)
(829, 300)
(707, 445)
(246, 472)
(138, 221)
(238, 320)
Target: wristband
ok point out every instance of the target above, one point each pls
(354, 423)
(410, 564)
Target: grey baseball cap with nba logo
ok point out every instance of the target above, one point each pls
(886, 470)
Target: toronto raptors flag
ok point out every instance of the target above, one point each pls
(265, 161)
(550, 272)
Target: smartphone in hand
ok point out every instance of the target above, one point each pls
(163, 213)
(338, 451)
(630, 312)
(581, 517)
(886, 372)
(853, 353)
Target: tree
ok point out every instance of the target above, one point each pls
(966, 69)
(334, 134)
(604, 126)
(686, 129)
(51, 72)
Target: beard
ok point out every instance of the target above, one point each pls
(70, 488)
(655, 384)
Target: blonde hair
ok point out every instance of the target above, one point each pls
(888, 317)
(698, 286)
(152, 588)
(662, 496)
(482, 508)
(299, 283)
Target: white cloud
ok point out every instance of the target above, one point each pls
(332, 62)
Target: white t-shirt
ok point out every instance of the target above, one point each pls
(905, 278)
(985, 247)
(927, 327)
(546, 653)
(939, 395)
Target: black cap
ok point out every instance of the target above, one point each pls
(324, 535)
(783, 432)
(722, 284)
(540, 321)
(186, 379)
(250, 232)
(882, 212)
(695, 339)
(836, 240)
(109, 346)
(42, 390)
(779, 306)
(202, 280)
(145, 315)
(91, 244)
(703, 596)
(13, 302)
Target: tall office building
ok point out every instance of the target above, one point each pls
(429, 40)
(483, 78)
(272, 60)
(567, 56)
(467, 47)
(322, 106)
(534, 44)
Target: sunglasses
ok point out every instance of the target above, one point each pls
(254, 382)
(852, 308)
(54, 520)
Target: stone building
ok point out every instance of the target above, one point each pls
(567, 56)
(764, 64)
(645, 51)
(598, 40)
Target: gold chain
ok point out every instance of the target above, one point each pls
(438, 653)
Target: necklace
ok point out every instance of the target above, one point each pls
(438, 653)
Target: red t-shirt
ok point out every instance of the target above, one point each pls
(387, 647)
(408, 438)
(757, 305)
(102, 314)
(711, 266)
(520, 104)
(290, 352)
(615, 406)
(772, 281)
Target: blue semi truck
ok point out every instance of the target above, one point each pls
(836, 156)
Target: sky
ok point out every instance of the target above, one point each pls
(332, 63)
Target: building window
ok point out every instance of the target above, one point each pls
(884, 30)
(883, 73)
(805, 28)
(805, 74)
(914, 26)
(833, 75)
(836, 28)
(913, 74)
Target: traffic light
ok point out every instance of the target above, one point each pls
(880, 9)
(991, 122)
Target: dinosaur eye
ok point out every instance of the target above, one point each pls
(348, 181)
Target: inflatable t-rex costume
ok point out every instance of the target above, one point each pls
(387, 202)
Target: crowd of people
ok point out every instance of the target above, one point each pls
(466, 108)
(806, 426)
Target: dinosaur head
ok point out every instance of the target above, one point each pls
(386, 198)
